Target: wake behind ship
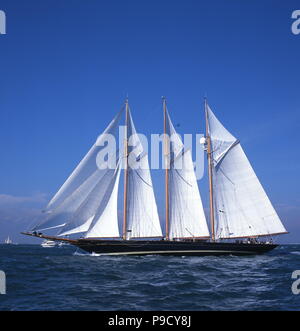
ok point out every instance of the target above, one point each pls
(242, 218)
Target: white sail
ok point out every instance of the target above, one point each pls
(142, 215)
(186, 214)
(62, 214)
(105, 221)
(78, 186)
(8, 240)
(242, 208)
(81, 228)
(84, 215)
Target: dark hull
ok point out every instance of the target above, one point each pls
(181, 248)
(162, 247)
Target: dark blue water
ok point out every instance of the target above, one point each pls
(60, 279)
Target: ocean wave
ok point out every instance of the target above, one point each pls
(67, 280)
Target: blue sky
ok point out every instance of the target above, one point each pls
(66, 67)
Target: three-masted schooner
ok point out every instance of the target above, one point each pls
(86, 206)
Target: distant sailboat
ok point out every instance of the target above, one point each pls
(8, 241)
(240, 211)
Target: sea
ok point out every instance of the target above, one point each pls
(65, 278)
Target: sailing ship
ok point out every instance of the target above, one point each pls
(84, 212)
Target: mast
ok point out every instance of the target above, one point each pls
(125, 172)
(166, 152)
(210, 165)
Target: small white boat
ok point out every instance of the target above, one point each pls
(48, 243)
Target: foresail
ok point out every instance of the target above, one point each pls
(86, 167)
(84, 215)
(142, 215)
(105, 221)
(77, 188)
(61, 215)
(242, 208)
(186, 214)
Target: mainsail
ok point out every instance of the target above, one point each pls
(142, 216)
(186, 214)
(241, 206)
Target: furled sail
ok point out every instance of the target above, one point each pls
(142, 214)
(241, 206)
(186, 214)
(77, 188)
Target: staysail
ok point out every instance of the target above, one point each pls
(88, 212)
(241, 206)
(78, 188)
(105, 222)
(142, 215)
(186, 214)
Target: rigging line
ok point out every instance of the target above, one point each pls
(180, 153)
(220, 169)
(139, 158)
(177, 172)
(189, 232)
(136, 172)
